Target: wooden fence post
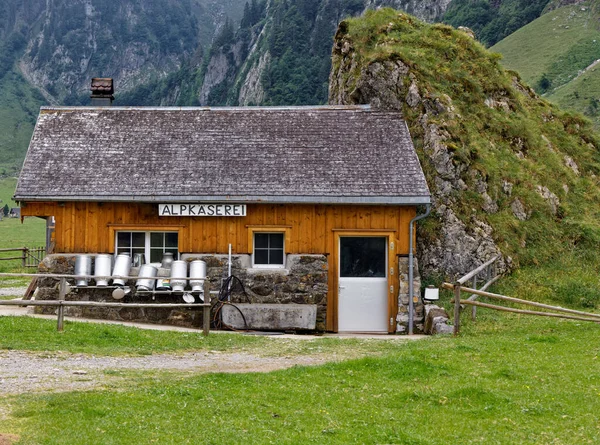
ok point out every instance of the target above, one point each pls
(206, 309)
(456, 308)
(474, 308)
(62, 292)
(24, 260)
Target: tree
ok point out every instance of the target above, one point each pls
(543, 84)
(5, 210)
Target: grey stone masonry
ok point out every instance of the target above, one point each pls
(403, 299)
(302, 281)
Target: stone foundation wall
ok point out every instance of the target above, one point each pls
(303, 281)
(403, 299)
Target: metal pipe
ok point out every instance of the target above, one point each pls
(411, 304)
(229, 274)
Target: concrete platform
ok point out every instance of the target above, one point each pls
(270, 317)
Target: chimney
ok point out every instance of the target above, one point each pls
(102, 92)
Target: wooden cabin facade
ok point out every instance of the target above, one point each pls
(342, 183)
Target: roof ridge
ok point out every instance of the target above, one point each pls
(261, 108)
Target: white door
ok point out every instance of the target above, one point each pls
(363, 284)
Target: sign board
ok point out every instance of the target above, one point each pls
(202, 210)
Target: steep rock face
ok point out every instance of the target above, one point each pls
(389, 84)
(61, 44)
(128, 40)
(489, 146)
(287, 52)
(252, 91)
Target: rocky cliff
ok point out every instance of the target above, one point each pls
(510, 174)
(68, 42)
(281, 53)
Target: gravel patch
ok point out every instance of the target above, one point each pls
(12, 291)
(24, 372)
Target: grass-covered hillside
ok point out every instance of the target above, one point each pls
(556, 55)
(493, 20)
(495, 154)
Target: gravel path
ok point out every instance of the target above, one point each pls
(12, 291)
(22, 372)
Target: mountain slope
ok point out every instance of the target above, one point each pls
(509, 172)
(50, 49)
(493, 20)
(279, 57)
(554, 50)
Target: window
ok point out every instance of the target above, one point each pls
(363, 257)
(152, 244)
(268, 249)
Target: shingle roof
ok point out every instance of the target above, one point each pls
(255, 154)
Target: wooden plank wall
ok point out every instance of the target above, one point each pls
(310, 229)
(86, 227)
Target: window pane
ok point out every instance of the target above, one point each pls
(124, 239)
(156, 255)
(174, 252)
(156, 239)
(261, 240)
(276, 256)
(276, 240)
(261, 256)
(142, 251)
(138, 239)
(362, 257)
(171, 240)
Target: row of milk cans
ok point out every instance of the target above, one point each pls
(148, 278)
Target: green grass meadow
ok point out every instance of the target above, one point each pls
(560, 45)
(16, 234)
(505, 380)
(30, 233)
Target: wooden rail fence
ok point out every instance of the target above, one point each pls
(459, 287)
(64, 288)
(30, 256)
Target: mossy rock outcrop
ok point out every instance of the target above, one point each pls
(510, 173)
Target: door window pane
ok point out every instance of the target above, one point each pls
(363, 257)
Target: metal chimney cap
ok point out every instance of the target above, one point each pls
(102, 85)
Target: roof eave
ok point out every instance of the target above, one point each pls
(254, 199)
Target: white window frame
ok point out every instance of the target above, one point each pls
(147, 246)
(268, 266)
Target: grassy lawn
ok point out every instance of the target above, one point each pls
(14, 234)
(506, 380)
(30, 334)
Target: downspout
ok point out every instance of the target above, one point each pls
(411, 304)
